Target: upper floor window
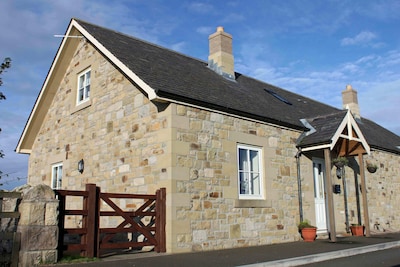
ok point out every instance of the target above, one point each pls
(56, 176)
(250, 172)
(83, 86)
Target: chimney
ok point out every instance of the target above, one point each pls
(350, 101)
(221, 58)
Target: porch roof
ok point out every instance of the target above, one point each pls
(338, 131)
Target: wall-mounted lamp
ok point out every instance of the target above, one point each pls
(339, 173)
(81, 166)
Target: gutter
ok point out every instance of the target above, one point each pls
(167, 97)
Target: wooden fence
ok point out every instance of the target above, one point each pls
(10, 241)
(147, 221)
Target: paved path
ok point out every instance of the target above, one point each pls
(287, 254)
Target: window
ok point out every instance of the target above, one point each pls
(279, 97)
(83, 86)
(56, 176)
(250, 172)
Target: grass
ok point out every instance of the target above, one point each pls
(76, 259)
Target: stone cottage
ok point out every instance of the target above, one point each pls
(243, 161)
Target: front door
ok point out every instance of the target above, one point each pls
(319, 194)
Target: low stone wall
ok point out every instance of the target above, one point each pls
(38, 226)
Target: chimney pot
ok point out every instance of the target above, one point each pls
(220, 29)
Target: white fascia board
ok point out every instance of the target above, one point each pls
(350, 123)
(150, 91)
(74, 24)
(40, 97)
(338, 132)
(357, 129)
(311, 148)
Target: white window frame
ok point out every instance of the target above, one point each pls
(56, 175)
(83, 84)
(257, 190)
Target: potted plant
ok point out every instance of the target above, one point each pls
(307, 231)
(357, 229)
(371, 167)
(339, 162)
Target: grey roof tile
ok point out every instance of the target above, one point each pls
(180, 77)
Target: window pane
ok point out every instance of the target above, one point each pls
(87, 82)
(242, 160)
(81, 81)
(59, 176)
(255, 184)
(254, 160)
(53, 179)
(87, 91)
(244, 183)
(80, 94)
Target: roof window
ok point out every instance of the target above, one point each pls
(279, 97)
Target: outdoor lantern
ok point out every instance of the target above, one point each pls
(81, 166)
(339, 173)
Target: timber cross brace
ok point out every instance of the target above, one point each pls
(147, 220)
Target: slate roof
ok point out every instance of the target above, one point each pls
(379, 137)
(325, 127)
(182, 78)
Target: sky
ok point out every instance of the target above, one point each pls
(310, 47)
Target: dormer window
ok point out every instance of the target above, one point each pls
(83, 86)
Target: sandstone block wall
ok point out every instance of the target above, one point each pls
(38, 226)
(381, 193)
(130, 144)
(383, 189)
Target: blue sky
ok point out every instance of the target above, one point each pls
(311, 47)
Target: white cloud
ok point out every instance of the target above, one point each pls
(364, 37)
(180, 47)
(201, 8)
(350, 68)
(367, 59)
(233, 18)
(392, 59)
(205, 30)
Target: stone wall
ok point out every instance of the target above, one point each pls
(38, 226)
(119, 134)
(383, 189)
(206, 212)
(382, 198)
(130, 144)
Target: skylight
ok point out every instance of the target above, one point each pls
(279, 97)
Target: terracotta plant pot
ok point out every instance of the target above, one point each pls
(357, 230)
(309, 234)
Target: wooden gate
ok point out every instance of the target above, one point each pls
(10, 239)
(133, 229)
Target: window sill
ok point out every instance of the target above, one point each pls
(82, 106)
(252, 203)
